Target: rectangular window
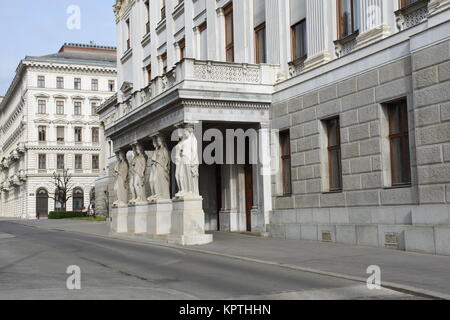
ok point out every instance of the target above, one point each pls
(348, 14)
(163, 10)
(60, 83)
(229, 33)
(78, 133)
(95, 135)
(149, 74)
(42, 162)
(203, 41)
(334, 154)
(59, 107)
(399, 143)
(299, 40)
(406, 3)
(77, 108)
(95, 162)
(93, 108)
(60, 162)
(42, 133)
(42, 106)
(111, 85)
(77, 83)
(285, 150)
(128, 34)
(260, 44)
(60, 134)
(94, 84)
(147, 14)
(41, 82)
(78, 162)
(164, 62)
(182, 46)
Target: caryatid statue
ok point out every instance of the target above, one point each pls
(159, 171)
(187, 164)
(121, 183)
(131, 177)
(139, 167)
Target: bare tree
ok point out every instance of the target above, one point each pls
(63, 188)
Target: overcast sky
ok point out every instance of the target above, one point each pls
(39, 27)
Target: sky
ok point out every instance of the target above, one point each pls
(40, 27)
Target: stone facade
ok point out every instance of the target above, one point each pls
(369, 211)
(43, 94)
(176, 66)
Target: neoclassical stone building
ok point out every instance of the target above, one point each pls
(350, 100)
(49, 123)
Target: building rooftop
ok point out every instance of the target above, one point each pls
(75, 53)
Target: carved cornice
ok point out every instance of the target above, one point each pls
(121, 7)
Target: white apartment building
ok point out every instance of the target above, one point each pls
(358, 90)
(49, 123)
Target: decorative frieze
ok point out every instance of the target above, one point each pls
(227, 72)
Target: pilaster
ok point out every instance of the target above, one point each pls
(318, 17)
(373, 23)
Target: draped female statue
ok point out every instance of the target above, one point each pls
(159, 171)
(139, 167)
(187, 164)
(121, 174)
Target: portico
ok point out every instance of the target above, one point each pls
(229, 119)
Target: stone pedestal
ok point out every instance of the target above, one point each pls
(188, 223)
(141, 213)
(130, 219)
(159, 217)
(119, 221)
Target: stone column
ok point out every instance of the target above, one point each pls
(373, 22)
(189, 34)
(278, 33)
(319, 22)
(212, 30)
(262, 176)
(220, 33)
(243, 31)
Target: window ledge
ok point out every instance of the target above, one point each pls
(145, 39)
(345, 45)
(178, 10)
(127, 55)
(333, 192)
(400, 186)
(412, 14)
(161, 25)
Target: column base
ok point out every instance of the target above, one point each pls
(119, 219)
(232, 221)
(372, 35)
(317, 60)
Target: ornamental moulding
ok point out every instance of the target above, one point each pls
(225, 104)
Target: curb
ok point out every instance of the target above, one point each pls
(385, 284)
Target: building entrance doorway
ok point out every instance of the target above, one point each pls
(41, 203)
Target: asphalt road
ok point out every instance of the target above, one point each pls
(33, 264)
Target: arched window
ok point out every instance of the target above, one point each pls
(78, 199)
(58, 202)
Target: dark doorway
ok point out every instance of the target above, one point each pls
(41, 203)
(248, 195)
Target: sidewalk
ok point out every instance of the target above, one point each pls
(422, 273)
